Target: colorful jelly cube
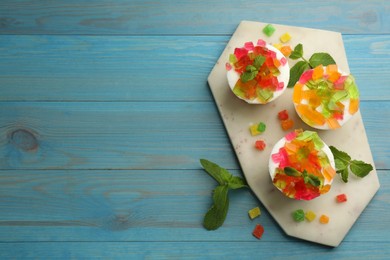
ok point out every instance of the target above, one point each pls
(254, 213)
(269, 30)
(285, 37)
(310, 215)
(299, 215)
(278, 46)
(261, 127)
(260, 145)
(341, 198)
(324, 219)
(318, 72)
(286, 50)
(283, 115)
(258, 231)
(287, 124)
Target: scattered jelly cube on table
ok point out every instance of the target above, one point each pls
(287, 124)
(283, 115)
(261, 127)
(285, 37)
(341, 198)
(324, 219)
(258, 231)
(260, 145)
(299, 215)
(254, 213)
(269, 30)
(310, 215)
(257, 129)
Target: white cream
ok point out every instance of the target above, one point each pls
(284, 76)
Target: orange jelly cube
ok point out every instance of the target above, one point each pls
(311, 115)
(333, 123)
(286, 50)
(318, 72)
(334, 76)
(329, 172)
(287, 124)
(297, 95)
(324, 219)
(353, 106)
(331, 69)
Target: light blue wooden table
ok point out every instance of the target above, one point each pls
(105, 112)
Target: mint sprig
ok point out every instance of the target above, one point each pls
(301, 66)
(307, 177)
(216, 215)
(344, 164)
(252, 70)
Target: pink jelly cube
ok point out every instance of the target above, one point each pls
(240, 52)
(261, 43)
(283, 61)
(306, 76)
(249, 46)
(290, 136)
(228, 66)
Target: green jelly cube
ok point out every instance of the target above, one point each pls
(299, 215)
(269, 30)
(261, 127)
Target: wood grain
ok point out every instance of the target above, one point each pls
(187, 17)
(194, 250)
(143, 205)
(133, 135)
(119, 68)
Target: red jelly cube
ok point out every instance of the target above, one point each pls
(258, 231)
(260, 145)
(341, 198)
(283, 115)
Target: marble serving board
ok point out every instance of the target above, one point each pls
(237, 116)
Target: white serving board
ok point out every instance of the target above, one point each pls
(237, 116)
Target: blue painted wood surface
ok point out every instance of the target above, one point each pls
(105, 112)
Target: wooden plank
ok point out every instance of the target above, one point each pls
(174, 17)
(145, 205)
(98, 68)
(193, 250)
(134, 135)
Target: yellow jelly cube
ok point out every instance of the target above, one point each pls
(254, 213)
(277, 45)
(285, 37)
(310, 215)
(254, 131)
(324, 219)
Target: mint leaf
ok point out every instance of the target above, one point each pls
(292, 171)
(343, 157)
(248, 75)
(236, 182)
(314, 180)
(216, 215)
(250, 68)
(344, 175)
(296, 72)
(258, 61)
(340, 165)
(297, 52)
(219, 174)
(321, 58)
(360, 168)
